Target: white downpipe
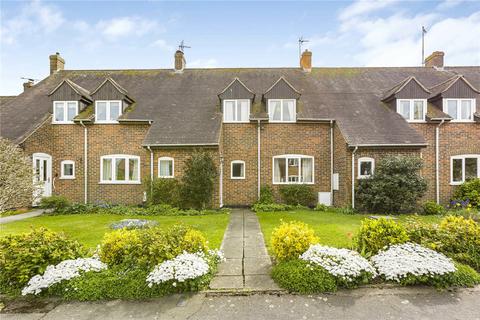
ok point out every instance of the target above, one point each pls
(151, 169)
(353, 177)
(85, 162)
(221, 182)
(331, 162)
(258, 160)
(437, 162)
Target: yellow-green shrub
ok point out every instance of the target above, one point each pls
(120, 246)
(374, 235)
(291, 239)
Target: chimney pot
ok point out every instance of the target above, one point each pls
(27, 85)
(306, 61)
(435, 60)
(56, 63)
(180, 62)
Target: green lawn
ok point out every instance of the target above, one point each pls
(334, 229)
(90, 228)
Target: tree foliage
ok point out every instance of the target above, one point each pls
(16, 176)
(395, 187)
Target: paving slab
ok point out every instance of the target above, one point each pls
(231, 267)
(260, 282)
(257, 266)
(227, 282)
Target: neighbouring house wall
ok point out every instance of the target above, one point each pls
(455, 139)
(341, 165)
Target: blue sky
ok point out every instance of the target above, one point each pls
(145, 34)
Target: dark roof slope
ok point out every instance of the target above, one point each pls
(6, 99)
(185, 107)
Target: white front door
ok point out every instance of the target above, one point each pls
(42, 167)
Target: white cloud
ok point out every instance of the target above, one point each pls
(448, 4)
(34, 15)
(121, 27)
(203, 63)
(363, 7)
(162, 44)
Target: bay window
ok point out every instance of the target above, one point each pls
(118, 169)
(464, 168)
(412, 109)
(165, 167)
(282, 110)
(236, 110)
(459, 109)
(293, 169)
(107, 111)
(64, 111)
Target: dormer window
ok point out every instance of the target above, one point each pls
(459, 109)
(236, 110)
(64, 111)
(282, 110)
(413, 110)
(108, 111)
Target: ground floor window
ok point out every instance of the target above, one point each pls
(165, 167)
(464, 167)
(120, 168)
(238, 169)
(67, 169)
(291, 169)
(366, 167)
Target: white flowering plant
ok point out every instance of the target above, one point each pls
(410, 263)
(348, 267)
(65, 270)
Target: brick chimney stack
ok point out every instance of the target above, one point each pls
(180, 62)
(27, 85)
(56, 63)
(306, 61)
(435, 60)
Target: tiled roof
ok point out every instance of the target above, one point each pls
(185, 108)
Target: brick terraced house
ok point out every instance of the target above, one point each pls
(93, 135)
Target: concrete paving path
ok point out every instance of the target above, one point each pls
(17, 217)
(247, 266)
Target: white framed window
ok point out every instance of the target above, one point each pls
(165, 167)
(282, 110)
(461, 110)
(64, 111)
(237, 169)
(464, 167)
(366, 167)
(120, 169)
(236, 110)
(293, 169)
(108, 111)
(413, 110)
(67, 169)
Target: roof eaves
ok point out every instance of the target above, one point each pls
(27, 135)
(114, 83)
(82, 92)
(232, 82)
(282, 78)
(388, 145)
(179, 144)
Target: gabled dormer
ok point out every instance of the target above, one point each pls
(111, 101)
(409, 99)
(68, 100)
(236, 100)
(281, 101)
(456, 97)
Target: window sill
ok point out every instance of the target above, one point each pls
(166, 177)
(363, 177)
(293, 183)
(63, 122)
(119, 182)
(67, 178)
(237, 178)
(246, 121)
(462, 121)
(457, 183)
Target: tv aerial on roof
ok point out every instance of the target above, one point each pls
(30, 79)
(301, 41)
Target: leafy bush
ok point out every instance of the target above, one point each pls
(291, 239)
(57, 203)
(198, 180)
(465, 276)
(266, 195)
(321, 207)
(272, 207)
(374, 235)
(146, 248)
(303, 277)
(163, 191)
(297, 194)
(25, 255)
(395, 187)
(469, 190)
(432, 208)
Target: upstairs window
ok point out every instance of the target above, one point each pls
(165, 167)
(107, 111)
(293, 169)
(366, 167)
(238, 169)
(67, 169)
(412, 109)
(460, 109)
(64, 111)
(236, 110)
(282, 110)
(464, 168)
(119, 169)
